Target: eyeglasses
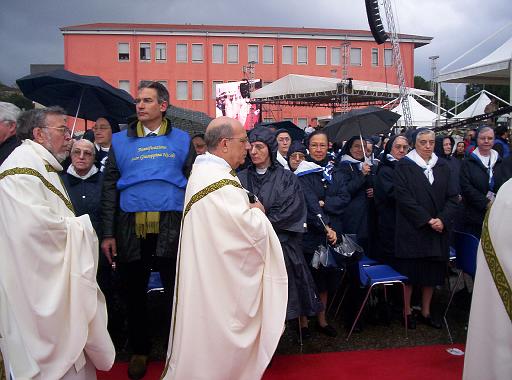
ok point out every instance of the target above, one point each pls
(241, 139)
(258, 146)
(78, 152)
(297, 156)
(316, 146)
(63, 130)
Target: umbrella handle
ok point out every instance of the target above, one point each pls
(77, 110)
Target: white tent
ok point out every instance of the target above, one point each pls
(493, 69)
(421, 116)
(476, 108)
(293, 86)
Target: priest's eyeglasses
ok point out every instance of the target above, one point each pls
(63, 130)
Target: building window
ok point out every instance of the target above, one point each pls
(321, 55)
(375, 57)
(197, 90)
(181, 90)
(335, 56)
(287, 55)
(268, 120)
(302, 122)
(268, 54)
(161, 52)
(218, 53)
(181, 53)
(355, 56)
(214, 87)
(388, 57)
(124, 85)
(145, 51)
(163, 83)
(197, 52)
(123, 51)
(302, 55)
(144, 82)
(232, 53)
(253, 53)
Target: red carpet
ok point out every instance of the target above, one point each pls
(418, 363)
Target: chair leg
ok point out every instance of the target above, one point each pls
(341, 302)
(405, 315)
(360, 311)
(333, 299)
(448, 306)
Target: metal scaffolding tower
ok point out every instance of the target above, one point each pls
(344, 75)
(397, 60)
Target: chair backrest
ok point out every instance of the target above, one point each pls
(466, 248)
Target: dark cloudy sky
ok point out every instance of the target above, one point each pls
(29, 30)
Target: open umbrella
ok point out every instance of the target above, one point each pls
(87, 97)
(360, 122)
(295, 132)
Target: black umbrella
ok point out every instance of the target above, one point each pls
(295, 132)
(360, 122)
(87, 97)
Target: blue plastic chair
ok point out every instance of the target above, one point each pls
(155, 283)
(373, 275)
(466, 248)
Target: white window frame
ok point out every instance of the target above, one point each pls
(221, 46)
(283, 54)
(263, 58)
(194, 60)
(390, 63)
(237, 54)
(119, 52)
(325, 55)
(124, 82)
(375, 50)
(333, 54)
(257, 60)
(268, 119)
(298, 51)
(178, 82)
(164, 50)
(214, 88)
(194, 96)
(148, 49)
(360, 56)
(186, 53)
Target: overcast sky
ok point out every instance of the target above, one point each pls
(30, 32)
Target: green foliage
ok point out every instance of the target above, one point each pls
(17, 99)
(422, 84)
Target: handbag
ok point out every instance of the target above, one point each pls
(324, 256)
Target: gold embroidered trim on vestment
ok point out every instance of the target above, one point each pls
(209, 189)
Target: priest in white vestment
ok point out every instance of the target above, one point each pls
(489, 341)
(231, 283)
(53, 322)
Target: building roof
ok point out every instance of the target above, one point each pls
(260, 31)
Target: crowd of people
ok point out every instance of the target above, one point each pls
(398, 196)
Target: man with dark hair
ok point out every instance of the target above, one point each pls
(52, 312)
(142, 203)
(501, 143)
(8, 140)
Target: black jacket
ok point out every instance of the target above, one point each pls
(86, 197)
(503, 173)
(384, 197)
(7, 147)
(121, 225)
(417, 201)
(474, 184)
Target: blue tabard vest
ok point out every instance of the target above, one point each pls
(151, 171)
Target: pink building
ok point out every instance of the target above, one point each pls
(191, 59)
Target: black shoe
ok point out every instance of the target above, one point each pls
(328, 330)
(305, 333)
(137, 367)
(411, 322)
(429, 321)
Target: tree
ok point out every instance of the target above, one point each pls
(422, 84)
(472, 89)
(14, 96)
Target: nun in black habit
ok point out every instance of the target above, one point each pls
(426, 203)
(281, 194)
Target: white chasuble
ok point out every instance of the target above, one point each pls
(51, 308)
(231, 284)
(489, 342)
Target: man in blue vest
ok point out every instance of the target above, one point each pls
(142, 203)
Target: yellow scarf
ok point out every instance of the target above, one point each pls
(148, 222)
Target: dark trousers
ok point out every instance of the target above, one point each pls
(134, 278)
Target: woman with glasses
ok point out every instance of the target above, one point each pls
(426, 203)
(477, 181)
(281, 194)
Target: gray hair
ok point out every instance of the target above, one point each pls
(9, 112)
(424, 132)
(161, 92)
(35, 118)
(86, 142)
(213, 135)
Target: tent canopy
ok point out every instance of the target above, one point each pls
(303, 87)
(476, 108)
(421, 116)
(493, 69)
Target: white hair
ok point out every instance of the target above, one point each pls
(9, 112)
